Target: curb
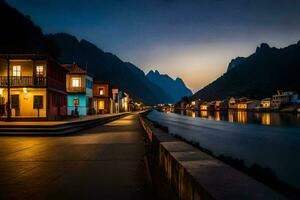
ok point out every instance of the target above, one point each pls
(61, 129)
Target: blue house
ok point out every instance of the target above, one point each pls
(79, 85)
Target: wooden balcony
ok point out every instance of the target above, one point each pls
(23, 81)
(76, 89)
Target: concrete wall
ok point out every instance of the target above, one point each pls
(195, 175)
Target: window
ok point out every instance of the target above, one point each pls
(17, 70)
(39, 70)
(89, 84)
(37, 102)
(76, 102)
(75, 82)
(101, 91)
(15, 101)
(101, 105)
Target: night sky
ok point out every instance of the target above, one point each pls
(192, 39)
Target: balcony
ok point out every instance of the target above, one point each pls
(76, 89)
(23, 81)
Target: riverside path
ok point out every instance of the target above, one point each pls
(104, 162)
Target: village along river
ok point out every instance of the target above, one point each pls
(273, 146)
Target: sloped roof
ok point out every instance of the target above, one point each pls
(74, 68)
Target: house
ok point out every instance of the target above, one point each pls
(102, 98)
(194, 105)
(124, 100)
(245, 104)
(115, 97)
(79, 86)
(266, 103)
(232, 103)
(36, 86)
(283, 98)
(204, 106)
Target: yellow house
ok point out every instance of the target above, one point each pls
(33, 85)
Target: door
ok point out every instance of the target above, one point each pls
(15, 104)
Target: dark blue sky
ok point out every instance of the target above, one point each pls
(192, 39)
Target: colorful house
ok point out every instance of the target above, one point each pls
(36, 87)
(79, 85)
(102, 98)
(124, 100)
(115, 97)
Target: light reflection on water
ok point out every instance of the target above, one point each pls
(244, 117)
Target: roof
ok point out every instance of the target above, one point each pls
(26, 56)
(74, 68)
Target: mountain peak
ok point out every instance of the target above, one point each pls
(175, 88)
(263, 47)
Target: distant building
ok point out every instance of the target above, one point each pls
(204, 106)
(80, 90)
(220, 105)
(102, 98)
(245, 104)
(232, 103)
(36, 85)
(266, 103)
(124, 101)
(115, 97)
(283, 98)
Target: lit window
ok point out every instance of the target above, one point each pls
(17, 70)
(101, 105)
(101, 91)
(75, 82)
(39, 70)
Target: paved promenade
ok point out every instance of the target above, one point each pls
(55, 123)
(105, 162)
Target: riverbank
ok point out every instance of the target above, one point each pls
(195, 175)
(255, 145)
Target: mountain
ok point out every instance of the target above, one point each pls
(108, 67)
(176, 89)
(257, 76)
(20, 35)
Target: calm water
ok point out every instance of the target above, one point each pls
(274, 146)
(244, 117)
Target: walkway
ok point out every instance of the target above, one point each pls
(54, 123)
(105, 162)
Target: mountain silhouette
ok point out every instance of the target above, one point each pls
(176, 89)
(258, 76)
(108, 67)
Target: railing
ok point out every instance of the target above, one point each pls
(76, 89)
(23, 81)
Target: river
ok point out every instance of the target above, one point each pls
(274, 146)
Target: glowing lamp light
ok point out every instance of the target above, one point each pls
(1, 91)
(25, 90)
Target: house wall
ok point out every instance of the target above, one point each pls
(97, 86)
(69, 78)
(82, 107)
(26, 102)
(89, 86)
(57, 105)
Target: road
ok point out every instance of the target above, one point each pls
(105, 162)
